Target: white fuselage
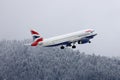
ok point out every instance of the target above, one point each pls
(71, 37)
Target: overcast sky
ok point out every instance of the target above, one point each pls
(55, 17)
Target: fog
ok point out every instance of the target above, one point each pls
(55, 17)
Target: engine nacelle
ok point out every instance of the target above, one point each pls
(83, 41)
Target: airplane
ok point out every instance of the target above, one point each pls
(66, 40)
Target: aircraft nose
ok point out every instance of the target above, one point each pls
(92, 30)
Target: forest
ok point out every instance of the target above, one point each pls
(21, 62)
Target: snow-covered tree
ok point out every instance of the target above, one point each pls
(20, 62)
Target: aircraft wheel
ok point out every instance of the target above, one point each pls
(89, 41)
(62, 47)
(73, 46)
(79, 42)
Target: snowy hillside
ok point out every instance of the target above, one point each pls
(19, 62)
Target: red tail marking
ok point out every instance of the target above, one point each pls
(36, 42)
(34, 32)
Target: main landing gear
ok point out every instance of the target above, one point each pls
(73, 46)
(62, 47)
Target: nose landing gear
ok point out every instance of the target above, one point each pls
(89, 42)
(62, 47)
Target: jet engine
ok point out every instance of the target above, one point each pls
(83, 41)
